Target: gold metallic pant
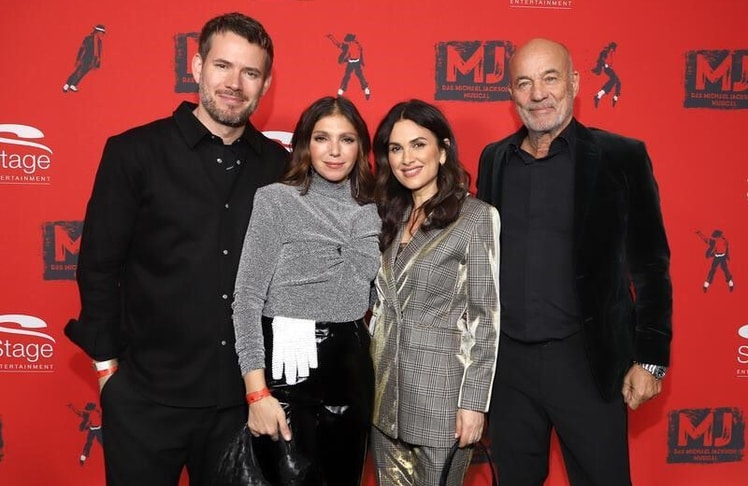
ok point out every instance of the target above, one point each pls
(398, 463)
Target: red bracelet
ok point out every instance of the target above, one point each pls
(258, 395)
(106, 372)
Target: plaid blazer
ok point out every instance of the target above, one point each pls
(435, 333)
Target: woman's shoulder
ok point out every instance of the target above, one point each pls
(476, 209)
(278, 189)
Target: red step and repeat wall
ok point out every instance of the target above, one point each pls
(673, 73)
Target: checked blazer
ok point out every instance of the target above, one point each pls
(435, 330)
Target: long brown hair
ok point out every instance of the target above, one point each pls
(299, 169)
(393, 199)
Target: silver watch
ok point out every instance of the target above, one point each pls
(656, 370)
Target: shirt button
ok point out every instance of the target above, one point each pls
(220, 161)
(225, 252)
(224, 296)
(226, 205)
(223, 343)
(238, 162)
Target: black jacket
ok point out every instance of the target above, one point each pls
(621, 255)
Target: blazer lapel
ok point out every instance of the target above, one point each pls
(586, 169)
(414, 246)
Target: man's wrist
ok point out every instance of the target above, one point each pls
(105, 365)
(658, 371)
(105, 368)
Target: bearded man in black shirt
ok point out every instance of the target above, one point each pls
(159, 253)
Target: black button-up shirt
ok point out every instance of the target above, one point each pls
(538, 293)
(159, 253)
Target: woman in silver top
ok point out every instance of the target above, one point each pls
(302, 290)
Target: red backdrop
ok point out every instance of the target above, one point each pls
(683, 69)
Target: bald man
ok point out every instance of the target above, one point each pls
(586, 299)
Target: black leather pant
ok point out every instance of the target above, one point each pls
(329, 412)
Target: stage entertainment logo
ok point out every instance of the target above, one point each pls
(22, 160)
(549, 4)
(717, 79)
(742, 356)
(24, 348)
(185, 48)
(706, 435)
(61, 243)
(473, 70)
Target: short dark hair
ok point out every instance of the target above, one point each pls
(241, 25)
(393, 199)
(300, 167)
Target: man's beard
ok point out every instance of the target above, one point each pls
(225, 117)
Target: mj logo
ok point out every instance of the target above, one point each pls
(717, 79)
(472, 70)
(185, 47)
(706, 435)
(60, 247)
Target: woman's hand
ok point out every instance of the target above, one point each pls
(266, 417)
(469, 426)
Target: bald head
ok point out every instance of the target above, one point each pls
(543, 86)
(541, 48)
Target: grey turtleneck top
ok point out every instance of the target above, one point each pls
(308, 257)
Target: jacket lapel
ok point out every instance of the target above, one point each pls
(586, 169)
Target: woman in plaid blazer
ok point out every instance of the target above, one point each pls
(435, 325)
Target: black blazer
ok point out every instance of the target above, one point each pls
(621, 255)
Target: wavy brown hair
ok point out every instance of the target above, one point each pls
(394, 199)
(299, 170)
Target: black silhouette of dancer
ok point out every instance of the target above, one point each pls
(719, 251)
(352, 54)
(89, 57)
(603, 65)
(91, 420)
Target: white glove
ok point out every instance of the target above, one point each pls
(294, 348)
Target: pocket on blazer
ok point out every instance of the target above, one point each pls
(435, 339)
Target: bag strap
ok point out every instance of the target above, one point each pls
(451, 456)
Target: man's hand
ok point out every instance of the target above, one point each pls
(639, 385)
(469, 426)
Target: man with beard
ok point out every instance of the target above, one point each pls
(586, 298)
(159, 253)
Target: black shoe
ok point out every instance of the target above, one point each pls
(597, 101)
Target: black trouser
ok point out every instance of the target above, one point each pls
(550, 385)
(329, 412)
(148, 443)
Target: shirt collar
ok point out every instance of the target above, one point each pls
(194, 131)
(567, 135)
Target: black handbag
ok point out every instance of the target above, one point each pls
(451, 456)
(239, 465)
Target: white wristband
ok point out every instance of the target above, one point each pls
(104, 365)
